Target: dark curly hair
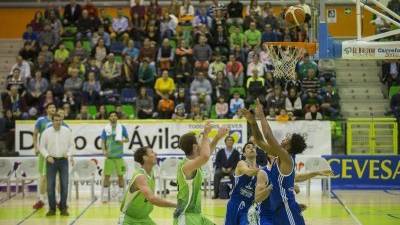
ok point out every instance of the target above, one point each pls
(297, 144)
(139, 154)
(186, 143)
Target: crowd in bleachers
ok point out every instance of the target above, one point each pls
(180, 61)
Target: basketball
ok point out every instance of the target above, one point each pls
(295, 15)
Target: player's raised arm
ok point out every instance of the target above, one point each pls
(142, 185)
(262, 191)
(222, 132)
(300, 177)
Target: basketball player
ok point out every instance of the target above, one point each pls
(139, 198)
(113, 137)
(242, 196)
(285, 210)
(40, 125)
(189, 175)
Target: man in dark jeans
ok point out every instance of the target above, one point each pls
(56, 144)
(226, 161)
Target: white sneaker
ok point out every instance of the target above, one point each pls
(104, 195)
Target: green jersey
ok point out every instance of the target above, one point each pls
(189, 194)
(135, 205)
(115, 149)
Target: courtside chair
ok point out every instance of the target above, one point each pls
(69, 44)
(317, 164)
(92, 110)
(393, 90)
(208, 174)
(110, 108)
(240, 90)
(168, 169)
(213, 113)
(129, 111)
(87, 46)
(5, 174)
(83, 170)
(28, 171)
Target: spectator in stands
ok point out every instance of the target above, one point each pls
(271, 19)
(221, 42)
(131, 51)
(47, 98)
(253, 8)
(180, 112)
(215, 7)
(72, 13)
(202, 18)
(58, 70)
(83, 113)
(221, 108)
(99, 52)
(77, 63)
(293, 104)
(283, 116)
(201, 90)
(105, 20)
(239, 54)
(36, 88)
(202, 54)
(391, 72)
(269, 35)
(305, 64)
(16, 103)
(276, 100)
(147, 73)
(153, 9)
(15, 79)
(311, 99)
(270, 83)
(43, 66)
(148, 51)
(144, 104)
(395, 105)
(120, 24)
(165, 107)
(152, 33)
(219, 19)
(56, 87)
(265, 59)
(236, 103)
(166, 55)
(85, 26)
(37, 22)
(221, 86)
(196, 113)
(255, 64)
(9, 132)
(255, 87)
(313, 114)
(91, 90)
(225, 163)
(61, 53)
(111, 72)
(173, 7)
(79, 51)
(91, 8)
(74, 82)
(48, 55)
(30, 36)
(235, 12)
(51, 8)
(55, 23)
(164, 86)
(68, 112)
(234, 71)
(101, 34)
(129, 72)
(138, 9)
(28, 52)
(330, 102)
(49, 37)
(236, 38)
(311, 83)
(101, 114)
(181, 97)
(295, 83)
(252, 37)
(216, 67)
(183, 71)
(186, 12)
(23, 66)
(183, 49)
(121, 114)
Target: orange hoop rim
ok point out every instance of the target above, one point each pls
(310, 47)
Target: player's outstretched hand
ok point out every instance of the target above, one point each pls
(222, 131)
(207, 128)
(326, 173)
(259, 109)
(248, 115)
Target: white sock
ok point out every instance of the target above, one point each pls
(104, 194)
(121, 193)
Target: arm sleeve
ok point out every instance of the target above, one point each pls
(43, 144)
(125, 132)
(103, 135)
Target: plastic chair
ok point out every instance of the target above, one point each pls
(69, 45)
(118, 59)
(92, 110)
(128, 95)
(87, 46)
(317, 164)
(207, 175)
(393, 90)
(5, 173)
(213, 113)
(168, 169)
(240, 90)
(83, 170)
(110, 108)
(129, 111)
(29, 168)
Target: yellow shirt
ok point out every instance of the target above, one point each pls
(164, 86)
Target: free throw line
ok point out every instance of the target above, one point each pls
(358, 222)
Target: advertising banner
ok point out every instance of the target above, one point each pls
(370, 50)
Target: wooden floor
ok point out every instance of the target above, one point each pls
(342, 207)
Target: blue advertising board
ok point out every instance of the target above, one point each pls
(364, 172)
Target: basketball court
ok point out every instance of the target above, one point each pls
(342, 207)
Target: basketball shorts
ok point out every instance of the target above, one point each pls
(192, 219)
(236, 213)
(127, 220)
(288, 215)
(42, 165)
(114, 165)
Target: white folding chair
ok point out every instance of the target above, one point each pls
(5, 174)
(83, 170)
(207, 176)
(28, 168)
(168, 169)
(317, 164)
(156, 171)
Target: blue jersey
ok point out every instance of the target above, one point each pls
(266, 206)
(63, 124)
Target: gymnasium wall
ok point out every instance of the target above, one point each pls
(14, 20)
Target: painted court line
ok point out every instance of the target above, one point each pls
(358, 222)
(28, 216)
(84, 210)
(390, 192)
(393, 216)
(6, 199)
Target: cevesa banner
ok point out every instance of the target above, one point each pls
(316, 133)
(370, 50)
(161, 135)
(365, 172)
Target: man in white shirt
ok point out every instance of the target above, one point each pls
(24, 68)
(56, 145)
(120, 24)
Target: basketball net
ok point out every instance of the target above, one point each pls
(284, 60)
